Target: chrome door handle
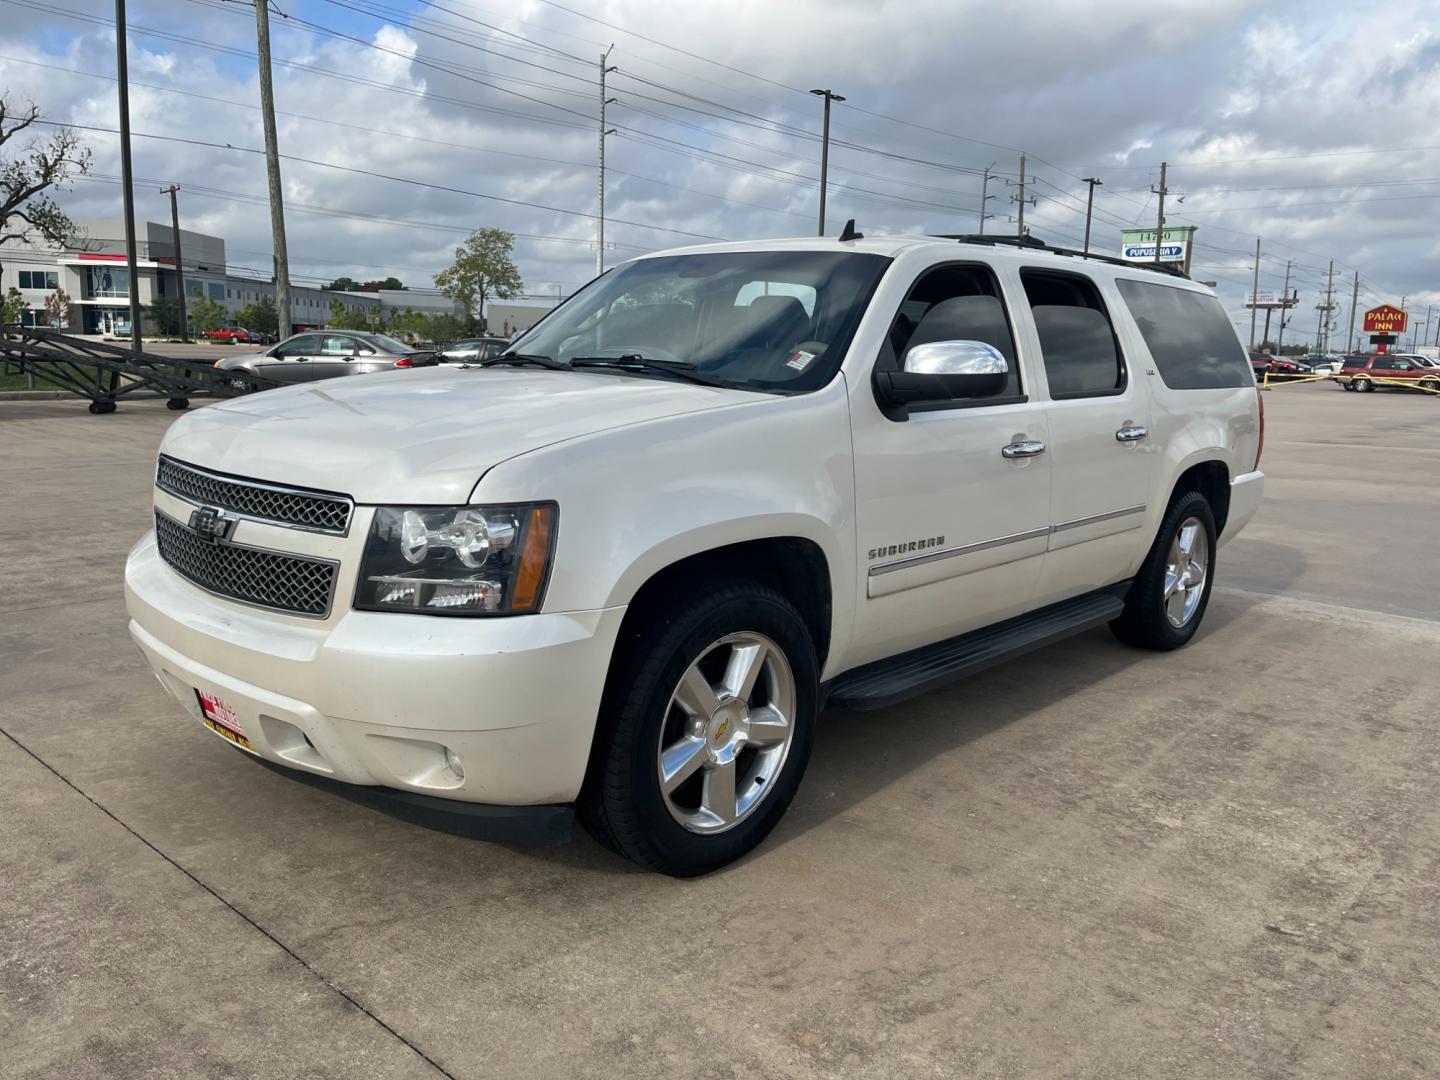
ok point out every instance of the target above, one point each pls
(1022, 449)
(1130, 434)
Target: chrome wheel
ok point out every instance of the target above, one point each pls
(1186, 568)
(726, 733)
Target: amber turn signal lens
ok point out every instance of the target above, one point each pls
(533, 557)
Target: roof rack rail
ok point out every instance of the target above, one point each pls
(1032, 243)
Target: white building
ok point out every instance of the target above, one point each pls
(93, 273)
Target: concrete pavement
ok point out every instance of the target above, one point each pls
(1088, 862)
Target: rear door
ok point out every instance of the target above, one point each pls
(1100, 448)
(336, 356)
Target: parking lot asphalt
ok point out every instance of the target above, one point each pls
(1089, 862)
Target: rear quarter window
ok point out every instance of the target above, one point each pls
(1189, 337)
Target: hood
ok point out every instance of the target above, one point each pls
(424, 436)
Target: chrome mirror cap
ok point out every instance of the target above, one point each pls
(955, 358)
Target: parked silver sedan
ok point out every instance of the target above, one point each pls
(325, 354)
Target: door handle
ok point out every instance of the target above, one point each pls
(1022, 449)
(1131, 433)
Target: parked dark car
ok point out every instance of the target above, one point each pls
(321, 354)
(1362, 373)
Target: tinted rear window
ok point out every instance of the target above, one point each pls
(1189, 337)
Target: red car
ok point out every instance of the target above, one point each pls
(228, 335)
(1261, 362)
(1361, 372)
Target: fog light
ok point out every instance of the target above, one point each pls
(453, 764)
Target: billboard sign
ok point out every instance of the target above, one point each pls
(1385, 319)
(1138, 245)
(1169, 253)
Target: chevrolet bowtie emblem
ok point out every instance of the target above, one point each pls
(210, 523)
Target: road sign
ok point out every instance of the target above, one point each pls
(1385, 320)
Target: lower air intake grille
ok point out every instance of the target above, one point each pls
(269, 579)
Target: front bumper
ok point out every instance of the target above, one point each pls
(376, 699)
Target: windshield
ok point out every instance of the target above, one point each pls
(764, 320)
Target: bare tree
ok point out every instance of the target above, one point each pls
(38, 166)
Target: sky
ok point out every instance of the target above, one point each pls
(404, 125)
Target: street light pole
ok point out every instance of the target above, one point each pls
(1090, 206)
(829, 96)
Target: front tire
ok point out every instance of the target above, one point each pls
(1169, 595)
(705, 728)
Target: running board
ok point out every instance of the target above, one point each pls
(884, 682)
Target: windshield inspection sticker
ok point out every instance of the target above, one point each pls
(800, 359)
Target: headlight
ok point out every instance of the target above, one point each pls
(457, 560)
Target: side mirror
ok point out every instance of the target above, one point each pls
(941, 371)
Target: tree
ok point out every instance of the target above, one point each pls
(482, 269)
(164, 312)
(27, 212)
(13, 307)
(343, 284)
(387, 283)
(58, 309)
(205, 314)
(343, 318)
(260, 315)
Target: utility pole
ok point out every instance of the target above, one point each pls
(1090, 207)
(830, 96)
(1020, 199)
(1425, 338)
(605, 69)
(272, 171)
(985, 196)
(127, 176)
(1322, 326)
(1354, 300)
(1285, 310)
(1254, 287)
(172, 190)
(1160, 232)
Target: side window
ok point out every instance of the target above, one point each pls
(954, 303)
(1383, 363)
(303, 345)
(1403, 365)
(1082, 356)
(1189, 336)
(337, 346)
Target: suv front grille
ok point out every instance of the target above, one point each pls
(314, 510)
(294, 583)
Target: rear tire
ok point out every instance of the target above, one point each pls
(1166, 602)
(1361, 386)
(675, 664)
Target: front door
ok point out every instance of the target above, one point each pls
(952, 503)
(1100, 444)
(289, 361)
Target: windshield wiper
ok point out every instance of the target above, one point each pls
(636, 362)
(523, 359)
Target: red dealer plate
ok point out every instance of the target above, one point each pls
(220, 718)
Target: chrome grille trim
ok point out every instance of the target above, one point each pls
(277, 581)
(256, 500)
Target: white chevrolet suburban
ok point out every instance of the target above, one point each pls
(619, 569)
